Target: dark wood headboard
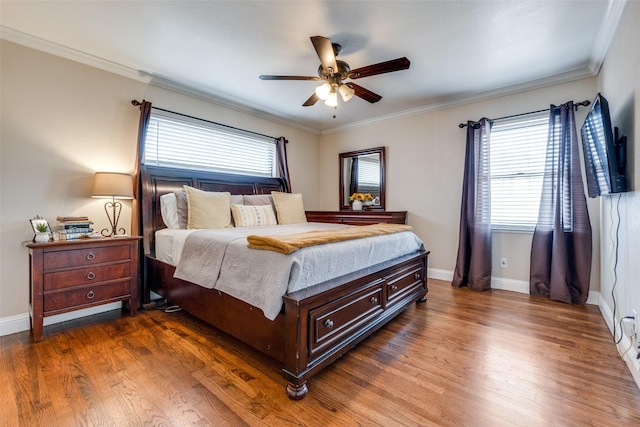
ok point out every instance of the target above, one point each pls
(156, 181)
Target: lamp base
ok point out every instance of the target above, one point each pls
(116, 208)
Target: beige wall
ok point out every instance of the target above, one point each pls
(619, 82)
(61, 122)
(425, 159)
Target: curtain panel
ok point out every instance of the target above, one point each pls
(283, 166)
(561, 247)
(145, 115)
(473, 264)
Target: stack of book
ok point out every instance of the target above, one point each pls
(75, 227)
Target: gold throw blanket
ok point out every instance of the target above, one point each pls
(286, 244)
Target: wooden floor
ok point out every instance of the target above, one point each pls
(461, 359)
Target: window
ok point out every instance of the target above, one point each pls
(175, 140)
(518, 148)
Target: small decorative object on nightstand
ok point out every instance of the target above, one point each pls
(75, 274)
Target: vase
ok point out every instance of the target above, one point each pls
(356, 205)
(41, 237)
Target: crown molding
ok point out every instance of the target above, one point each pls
(194, 90)
(473, 97)
(605, 34)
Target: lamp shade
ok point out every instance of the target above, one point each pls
(113, 185)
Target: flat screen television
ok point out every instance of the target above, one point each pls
(604, 151)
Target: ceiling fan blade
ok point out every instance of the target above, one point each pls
(324, 49)
(311, 101)
(365, 94)
(266, 77)
(380, 68)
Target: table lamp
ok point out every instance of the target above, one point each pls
(113, 185)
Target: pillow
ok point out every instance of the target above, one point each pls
(289, 208)
(237, 199)
(169, 210)
(257, 199)
(183, 210)
(208, 209)
(253, 216)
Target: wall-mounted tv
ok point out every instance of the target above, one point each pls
(604, 151)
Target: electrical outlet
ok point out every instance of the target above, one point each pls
(504, 263)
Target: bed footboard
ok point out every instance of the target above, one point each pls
(325, 321)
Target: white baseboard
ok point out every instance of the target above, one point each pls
(628, 355)
(21, 322)
(520, 286)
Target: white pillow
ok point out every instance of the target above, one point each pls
(253, 216)
(169, 210)
(289, 208)
(208, 209)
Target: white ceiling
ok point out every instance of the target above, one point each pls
(459, 50)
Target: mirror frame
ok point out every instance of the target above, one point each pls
(341, 159)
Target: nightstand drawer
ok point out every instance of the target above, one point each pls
(85, 256)
(89, 275)
(86, 295)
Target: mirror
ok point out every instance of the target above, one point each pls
(362, 171)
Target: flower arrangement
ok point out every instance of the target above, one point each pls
(363, 197)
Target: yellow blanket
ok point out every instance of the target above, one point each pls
(292, 242)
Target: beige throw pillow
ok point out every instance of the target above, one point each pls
(289, 208)
(208, 209)
(253, 216)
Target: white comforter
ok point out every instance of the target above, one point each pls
(220, 259)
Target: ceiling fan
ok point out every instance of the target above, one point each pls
(334, 72)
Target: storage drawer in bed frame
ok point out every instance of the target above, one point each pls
(330, 327)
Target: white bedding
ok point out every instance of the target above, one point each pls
(262, 277)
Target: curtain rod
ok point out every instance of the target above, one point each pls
(137, 103)
(584, 103)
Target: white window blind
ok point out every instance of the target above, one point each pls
(179, 141)
(517, 156)
(369, 170)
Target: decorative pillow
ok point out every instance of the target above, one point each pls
(183, 209)
(208, 209)
(289, 208)
(169, 210)
(253, 216)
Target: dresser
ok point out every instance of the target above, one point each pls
(364, 217)
(76, 274)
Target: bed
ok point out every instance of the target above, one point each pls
(314, 325)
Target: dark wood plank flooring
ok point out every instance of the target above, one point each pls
(461, 359)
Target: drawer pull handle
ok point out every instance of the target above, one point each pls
(90, 295)
(374, 300)
(91, 275)
(416, 276)
(394, 288)
(328, 323)
(91, 256)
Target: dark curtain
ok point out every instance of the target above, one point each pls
(473, 265)
(145, 115)
(561, 247)
(283, 167)
(353, 185)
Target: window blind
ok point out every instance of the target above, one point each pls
(517, 158)
(174, 140)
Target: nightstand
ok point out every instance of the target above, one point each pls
(75, 274)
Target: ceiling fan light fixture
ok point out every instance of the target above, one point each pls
(332, 99)
(346, 92)
(323, 90)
